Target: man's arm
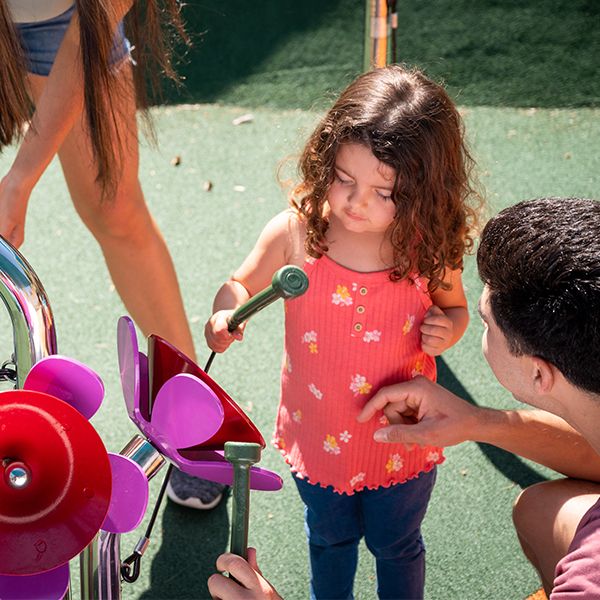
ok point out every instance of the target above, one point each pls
(424, 413)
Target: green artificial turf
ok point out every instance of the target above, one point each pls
(472, 550)
(522, 71)
(283, 53)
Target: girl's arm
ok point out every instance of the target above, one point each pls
(448, 317)
(270, 253)
(58, 108)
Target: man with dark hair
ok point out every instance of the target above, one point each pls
(540, 265)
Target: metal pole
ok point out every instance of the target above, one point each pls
(100, 562)
(376, 34)
(34, 336)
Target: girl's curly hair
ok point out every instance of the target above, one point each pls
(411, 124)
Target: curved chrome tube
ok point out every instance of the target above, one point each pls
(34, 335)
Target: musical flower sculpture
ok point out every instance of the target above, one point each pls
(58, 484)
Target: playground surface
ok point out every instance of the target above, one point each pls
(522, 150)
(472, 550)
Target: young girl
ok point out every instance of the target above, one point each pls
(380, 224)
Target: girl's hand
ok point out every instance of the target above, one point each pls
(437, 331)
(218, 337)
(14, 198)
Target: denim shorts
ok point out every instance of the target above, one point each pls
(41, 40)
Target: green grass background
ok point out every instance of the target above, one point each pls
(524, 74)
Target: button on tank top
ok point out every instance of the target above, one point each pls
(350, 334)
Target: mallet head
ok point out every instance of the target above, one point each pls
(246, 453)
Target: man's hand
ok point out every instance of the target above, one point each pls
(423, 413)
(249, 584)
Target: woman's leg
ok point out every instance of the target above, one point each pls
(546, 516)
(393, 518)
(135, 252)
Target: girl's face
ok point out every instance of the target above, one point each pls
(360, 196)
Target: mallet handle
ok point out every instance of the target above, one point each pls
(242, 455)
(289, 282)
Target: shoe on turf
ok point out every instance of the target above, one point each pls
(194, 492)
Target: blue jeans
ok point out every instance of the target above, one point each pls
(389, 519)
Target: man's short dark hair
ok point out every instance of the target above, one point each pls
(541, 262)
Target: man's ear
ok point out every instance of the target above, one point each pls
(543, 375)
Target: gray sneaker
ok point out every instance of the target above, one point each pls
(193, 492)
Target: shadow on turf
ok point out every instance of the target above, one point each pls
(237, 39)
(191, 542)
(510, 465)
(511, 53)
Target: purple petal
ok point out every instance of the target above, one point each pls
(129, 366)
(69, 380)
(144, 386)
(129, 498)
(50, 585)
(213, 466)
(186, 412)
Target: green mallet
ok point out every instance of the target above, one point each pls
(290, 281)
(242, 455)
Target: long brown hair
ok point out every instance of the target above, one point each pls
(15, 105)
(150, 28)
(411, 124)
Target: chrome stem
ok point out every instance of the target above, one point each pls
(100, 562)
(34, 336)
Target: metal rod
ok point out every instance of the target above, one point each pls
(99, 568)
(376, 34)
(100, 562)
(34, 335)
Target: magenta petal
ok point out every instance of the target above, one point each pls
(186, 412)
(144, 387)
(214, 467)
(129, 498)
(69, 380)
(50, 585)
(129, 365)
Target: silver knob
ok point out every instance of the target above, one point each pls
(17, 476)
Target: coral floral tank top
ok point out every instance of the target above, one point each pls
(350, 334)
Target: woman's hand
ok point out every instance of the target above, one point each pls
(218, 337)
(14, 198)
